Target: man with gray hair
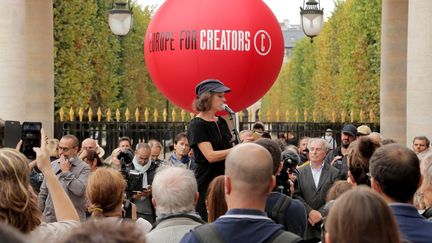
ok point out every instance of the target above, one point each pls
(314, 180)
(143, 164)
(72, 173)
(248, 180)
(175, 194)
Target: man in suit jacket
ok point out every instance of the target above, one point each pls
(314, 180)
(395, 172)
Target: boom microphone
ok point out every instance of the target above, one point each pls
(227, 109)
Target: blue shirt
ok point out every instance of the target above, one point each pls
(412, 225)
(242, 225)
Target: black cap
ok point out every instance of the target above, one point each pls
(350, 129)
(211, 85)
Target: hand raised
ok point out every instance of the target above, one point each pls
(42, 158)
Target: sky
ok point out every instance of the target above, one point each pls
(282, 9)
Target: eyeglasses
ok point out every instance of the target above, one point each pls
(64, 149)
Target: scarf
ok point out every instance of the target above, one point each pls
(142, 169)
(183, 161)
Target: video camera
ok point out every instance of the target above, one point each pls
(290, 161)
(134, 179)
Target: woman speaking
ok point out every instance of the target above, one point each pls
(209, 137)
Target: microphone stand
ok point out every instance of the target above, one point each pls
(234, 130)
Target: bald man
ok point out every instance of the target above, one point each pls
(88, 144)
(248, 179)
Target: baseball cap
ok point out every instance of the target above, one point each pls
(363, 130)
(211, 85)
(350, 129)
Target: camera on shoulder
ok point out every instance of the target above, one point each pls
(134, 179)
(125, 157)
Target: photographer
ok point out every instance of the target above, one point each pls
(286, 180)
(155, 151)
(281, 208)
(142, 163)
(124, 143)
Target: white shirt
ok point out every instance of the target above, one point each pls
(316, 173)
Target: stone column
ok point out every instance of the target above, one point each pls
(394, 28)
(419, 70)
(27, 62)
(40, 63)
(13, 60)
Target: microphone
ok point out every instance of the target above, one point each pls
(227, 109)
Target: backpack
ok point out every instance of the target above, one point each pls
(207, 234)
(278, 212)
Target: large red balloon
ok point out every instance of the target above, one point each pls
(236, 41)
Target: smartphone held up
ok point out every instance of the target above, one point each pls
(31, 137)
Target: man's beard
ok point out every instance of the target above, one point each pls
(345, 145)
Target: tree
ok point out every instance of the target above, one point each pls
(340, 71)
(73, 37)
(95, 68)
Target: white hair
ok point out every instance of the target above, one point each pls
(174, 190)
(322, 141)
(426, 170)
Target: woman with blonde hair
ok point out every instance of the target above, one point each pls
(426, 187)
(361, 215)
(18, 204)
(106, 193)
(53, 150)
(112, 160)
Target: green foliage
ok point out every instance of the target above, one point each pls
(273, 97)
(340, 70)
(93, 67)
(73, 38)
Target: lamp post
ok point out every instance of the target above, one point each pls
(312, 18)
(120, 18)
(120, 23)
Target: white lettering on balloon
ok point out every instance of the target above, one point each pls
(262, 42)
(210, 40)
(225, 40)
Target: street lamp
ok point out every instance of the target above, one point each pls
(312, 18)
(120, 17)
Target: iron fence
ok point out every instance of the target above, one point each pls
(108, 133)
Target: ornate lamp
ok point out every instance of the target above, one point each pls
(312, 18)
(120, 18)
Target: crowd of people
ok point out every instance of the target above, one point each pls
(211, 189)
